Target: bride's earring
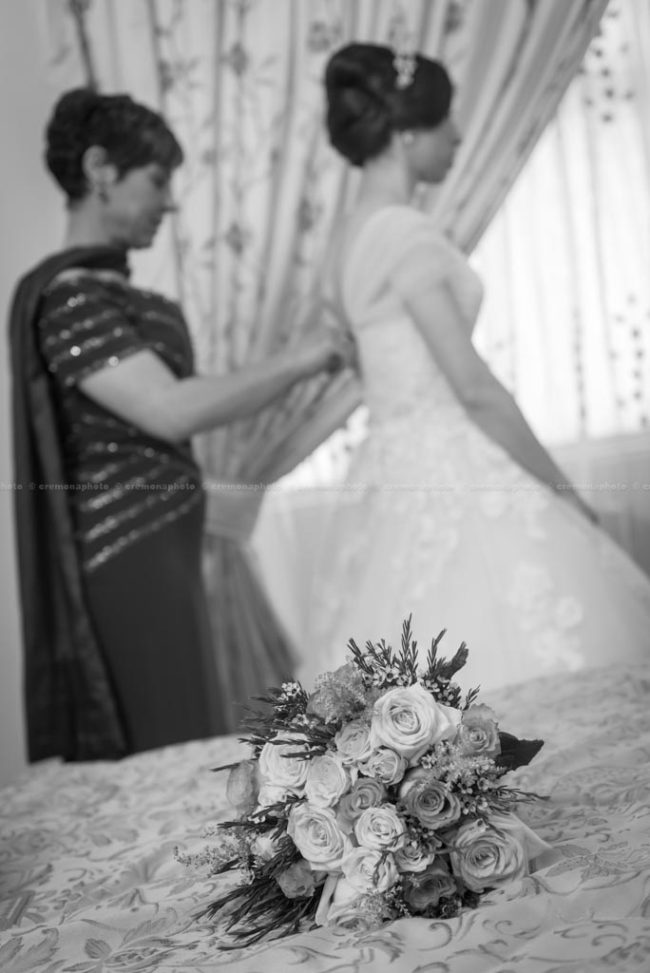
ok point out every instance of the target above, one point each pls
(408, 138)
(102, 192)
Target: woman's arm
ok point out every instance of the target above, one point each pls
(498, 415)
(143, 391)
(485, 399)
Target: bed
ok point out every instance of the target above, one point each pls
(89, 882)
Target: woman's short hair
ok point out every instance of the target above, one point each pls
(131, 134)
(365, 105)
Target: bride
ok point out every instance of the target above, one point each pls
(452, 510)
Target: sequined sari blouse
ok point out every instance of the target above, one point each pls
(123, 484)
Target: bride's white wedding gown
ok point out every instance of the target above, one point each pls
(437, 521)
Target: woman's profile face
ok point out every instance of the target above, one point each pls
(432, 150)
(136, 204)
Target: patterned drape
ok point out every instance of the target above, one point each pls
(240, 82)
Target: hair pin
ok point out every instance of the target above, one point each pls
(405, 63)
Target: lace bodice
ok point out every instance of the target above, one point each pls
(398, 251)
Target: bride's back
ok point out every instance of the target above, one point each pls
(399, 374)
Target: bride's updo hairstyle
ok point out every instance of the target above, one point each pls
(366, 104)
(132, 135)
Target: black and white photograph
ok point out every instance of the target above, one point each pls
(325, 486)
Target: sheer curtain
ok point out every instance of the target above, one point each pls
(240, 81)
(566, 320)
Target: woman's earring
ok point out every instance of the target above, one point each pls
(102, 192)
(408, 138)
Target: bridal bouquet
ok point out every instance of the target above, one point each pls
(378, 795)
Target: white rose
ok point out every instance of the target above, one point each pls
(366, 792)
(327, 780)
(410, 721)
(369, 870)
(488, 857)
(353, 741)
(380, 828)
(483, 858)
(429, 800)
(279, 769)
(478, 733)
(385, 765)
(317, 836)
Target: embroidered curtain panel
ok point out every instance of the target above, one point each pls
(240, 82)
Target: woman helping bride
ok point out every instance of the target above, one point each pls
(452, 510)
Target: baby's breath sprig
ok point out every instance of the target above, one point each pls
(449, 763)
(214, 859)
(231, 854)
(383, 906)
(396, 907)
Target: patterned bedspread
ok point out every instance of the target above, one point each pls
(89, 882)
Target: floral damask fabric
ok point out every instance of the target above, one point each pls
(89, 882)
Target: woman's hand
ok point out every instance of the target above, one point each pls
(327, 349)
